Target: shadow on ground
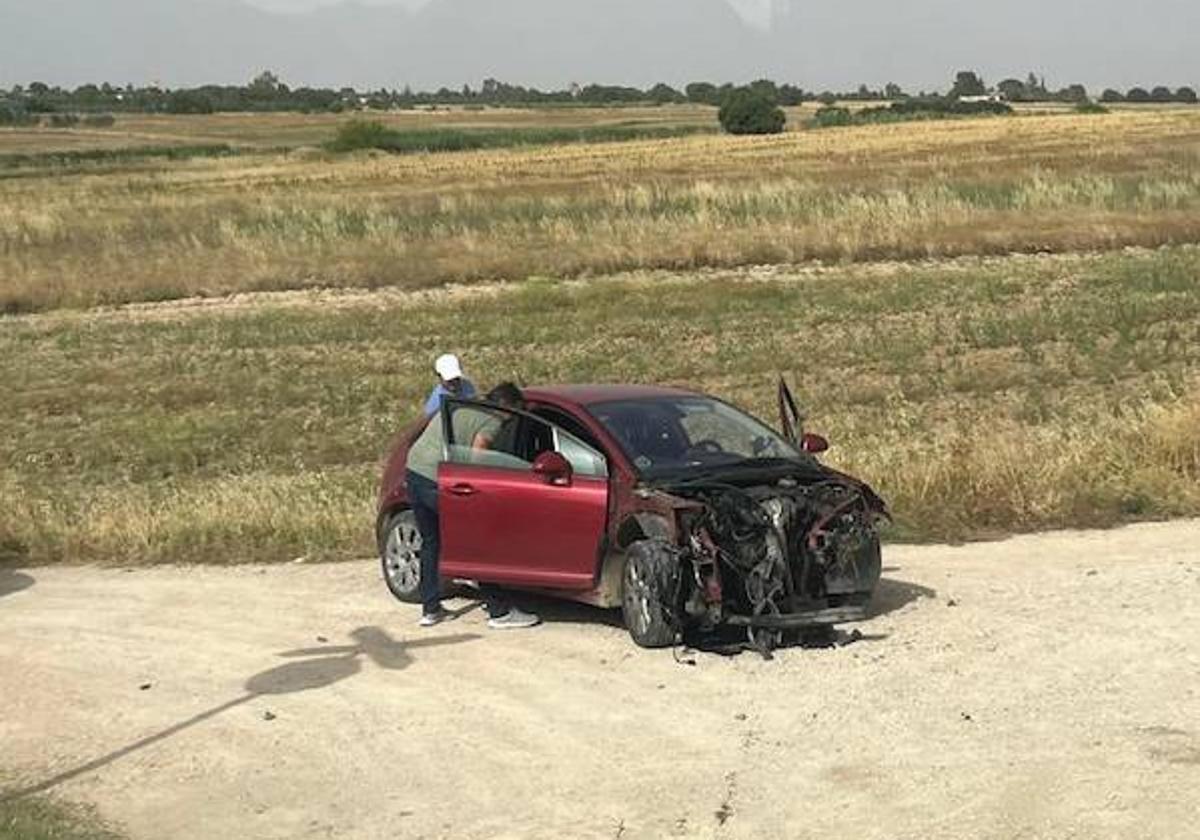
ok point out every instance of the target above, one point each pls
(890, 595)
(311, 669)
(12, 581)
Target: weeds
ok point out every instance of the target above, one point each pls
(158, 228)
(980, 396)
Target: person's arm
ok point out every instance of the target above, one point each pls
(434, 404)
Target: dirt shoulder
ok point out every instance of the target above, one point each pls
(1044, 686)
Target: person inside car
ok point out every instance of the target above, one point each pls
(426, 454)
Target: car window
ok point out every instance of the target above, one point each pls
(584, 460)
(485, 435)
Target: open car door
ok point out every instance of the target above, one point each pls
(791, 421)
(521, 501)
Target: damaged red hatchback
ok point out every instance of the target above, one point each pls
(684, 511)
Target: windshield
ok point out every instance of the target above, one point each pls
(673, 434)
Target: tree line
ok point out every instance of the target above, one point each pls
(266, 92)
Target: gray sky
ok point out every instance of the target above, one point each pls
(757, 12)
(820, 44)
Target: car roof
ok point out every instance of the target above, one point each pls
(592, 394)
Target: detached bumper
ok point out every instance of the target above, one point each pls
(798, 620)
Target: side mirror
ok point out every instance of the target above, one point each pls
(814, 444)
(553, 468)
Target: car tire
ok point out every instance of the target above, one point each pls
(400, 556)
(650, 584)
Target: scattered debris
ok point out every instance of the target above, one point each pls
(1092, 573)
(726, 810)
(322, 640)
(145, 686)
(740, 716)
(967, 717)
(268, 715)
(952, 603)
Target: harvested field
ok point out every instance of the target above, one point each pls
(151, 230)
(982, 396)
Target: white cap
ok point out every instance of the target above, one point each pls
(448, 368)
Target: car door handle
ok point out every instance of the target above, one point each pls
(463, 490)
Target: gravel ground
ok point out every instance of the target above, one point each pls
(1042, 687)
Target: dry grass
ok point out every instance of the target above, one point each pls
(150, 231)
(982, 396)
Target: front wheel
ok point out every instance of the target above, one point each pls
(650, 588)
(400, 553)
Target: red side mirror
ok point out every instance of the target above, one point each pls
(553, 469)
(814, 444)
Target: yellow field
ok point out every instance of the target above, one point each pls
(151, 230)
(986, 393)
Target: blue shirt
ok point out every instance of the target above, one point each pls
(434, 404)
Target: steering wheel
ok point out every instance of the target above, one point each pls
(708, 446)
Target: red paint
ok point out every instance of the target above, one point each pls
(511, 526)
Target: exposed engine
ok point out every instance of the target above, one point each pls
(766, 556)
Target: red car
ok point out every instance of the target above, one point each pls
(684, 511)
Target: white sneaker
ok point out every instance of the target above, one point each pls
(514, 619)
(435, 618)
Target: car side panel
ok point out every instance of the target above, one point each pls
(509, 526)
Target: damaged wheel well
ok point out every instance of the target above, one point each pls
(644, 526)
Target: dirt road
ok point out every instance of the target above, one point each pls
(1042, 687)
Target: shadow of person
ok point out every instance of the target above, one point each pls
(12, 581)
(891, 595)
(323, 666)
(313, 669)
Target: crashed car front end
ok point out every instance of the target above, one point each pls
(774, 550)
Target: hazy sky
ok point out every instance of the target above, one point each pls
(757, 12)
(821, 44)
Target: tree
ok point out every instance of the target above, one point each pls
(828, 99)
(1014, 90)
(1186, 94)
(747, 111)
(189, 102)
(266, 82)
(968, 83)
(893, 91)
(1111, 95)
(1072, 93)
(1162, 94)
(702, 93)
(663, 94)
(1137, 94)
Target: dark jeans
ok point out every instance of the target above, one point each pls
(423, 496)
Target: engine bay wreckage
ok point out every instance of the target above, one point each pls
(779, 548)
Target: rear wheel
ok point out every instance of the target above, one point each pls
(650, 587)
(400, 553)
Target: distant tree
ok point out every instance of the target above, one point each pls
(893, 91)
(703, 93)
(1137, 94)
(1014, 90)
(266, 82)
(968, 83)
(1111, 95)
(828, 99)
(791, 95)
(1072, 93)
(664, 94)
(1162, 94)
(747, 111)
(766, 89)
(189, 102)
(1186, 94)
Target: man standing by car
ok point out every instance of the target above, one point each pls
(426, 454)
(451, 383)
